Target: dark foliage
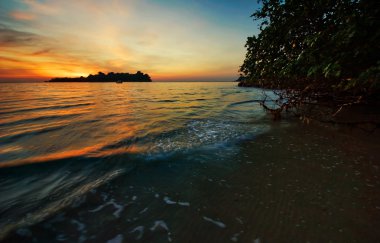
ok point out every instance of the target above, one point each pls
(324, 50)
(110, 77)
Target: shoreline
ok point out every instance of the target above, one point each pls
(362, 115)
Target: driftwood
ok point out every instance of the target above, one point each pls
(323, 107)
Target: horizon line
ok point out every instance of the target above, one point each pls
(159, 81)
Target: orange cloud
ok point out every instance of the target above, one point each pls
(22, 15)
(72, 38)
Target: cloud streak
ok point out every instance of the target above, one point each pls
(70, 38)
(10, 37)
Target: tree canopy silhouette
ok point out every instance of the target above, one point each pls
(316, 50)
(110, 77)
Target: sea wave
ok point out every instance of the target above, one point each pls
(70, 139)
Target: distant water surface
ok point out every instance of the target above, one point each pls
(181, 162)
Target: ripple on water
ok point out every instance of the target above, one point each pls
(186, 151)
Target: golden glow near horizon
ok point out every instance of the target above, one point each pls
(170, 40)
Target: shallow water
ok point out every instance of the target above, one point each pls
(181, 162)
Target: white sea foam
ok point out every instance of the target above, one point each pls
(217, 223)
(139, 230)
(205, 134)
(257, 240)
(239, 220)
(235, 237)
(98, 208)
(159, 224)
(186, 204)
(119, 208)
(117, 239)
(143, 211)
(171, 202)
(168, 201)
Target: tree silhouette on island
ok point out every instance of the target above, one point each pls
(110, 77)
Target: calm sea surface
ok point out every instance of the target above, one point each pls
(175, 162)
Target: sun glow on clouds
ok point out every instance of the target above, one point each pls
(43, 39)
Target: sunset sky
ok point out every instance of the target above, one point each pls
(174, 40)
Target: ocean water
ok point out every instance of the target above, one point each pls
(175, 162)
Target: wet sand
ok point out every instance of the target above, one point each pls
(295, 183)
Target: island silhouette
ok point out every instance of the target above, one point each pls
(110, 77)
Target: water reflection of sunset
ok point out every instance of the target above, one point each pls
(68, 120)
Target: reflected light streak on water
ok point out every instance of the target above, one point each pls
(182, 162)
